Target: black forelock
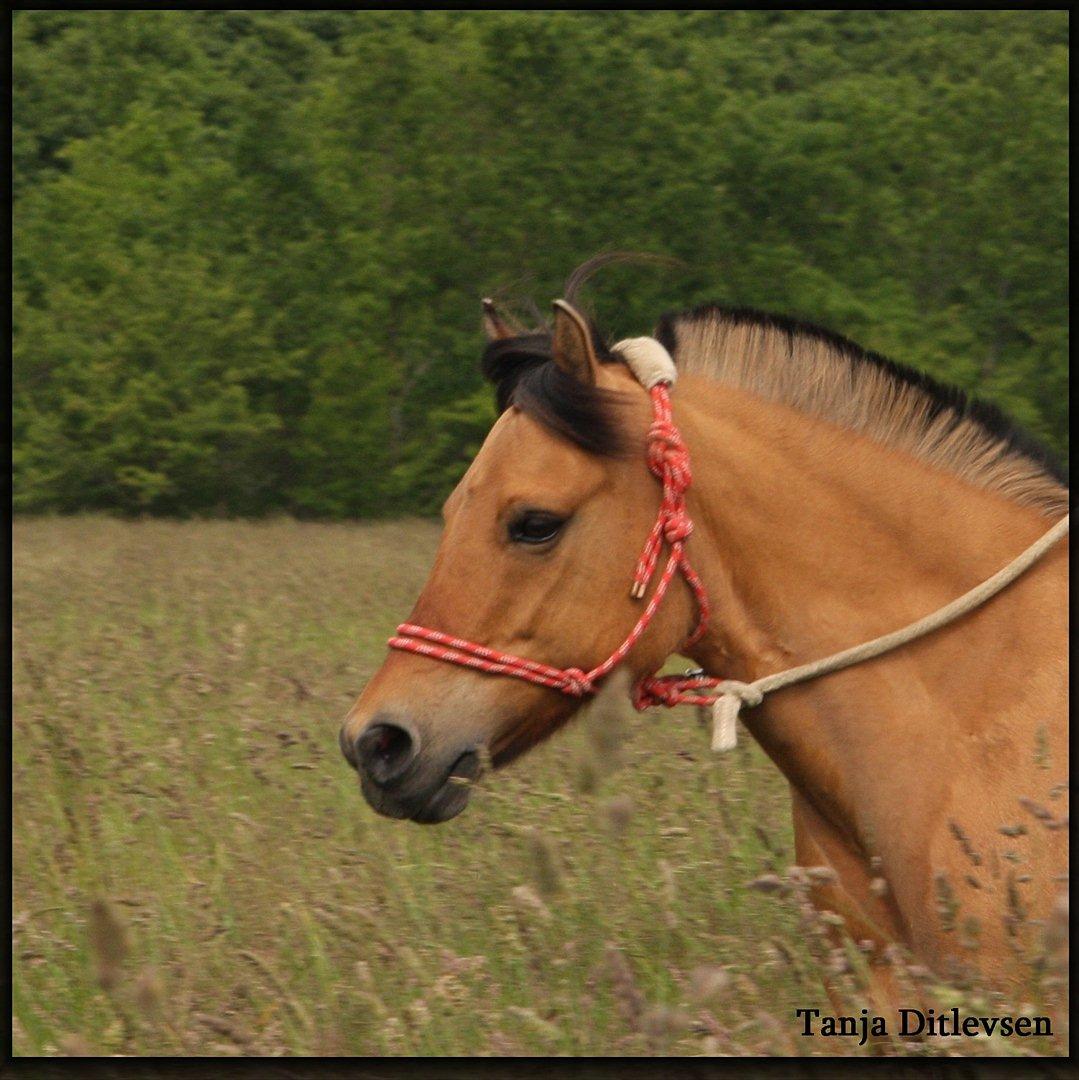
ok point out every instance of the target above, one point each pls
(525, 375)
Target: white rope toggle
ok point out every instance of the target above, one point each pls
(725, 709)
(649, 361)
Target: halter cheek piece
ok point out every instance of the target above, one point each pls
(668, 460)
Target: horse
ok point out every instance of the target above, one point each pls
(835, 496)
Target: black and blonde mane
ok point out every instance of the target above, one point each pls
(807, 368)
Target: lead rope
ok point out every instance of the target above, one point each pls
(732, 695)
(668, 459)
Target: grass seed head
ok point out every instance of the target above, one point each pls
(617, 812)
(661, 1022)
(586, 774)
(546, 871)
(609, 717)
(108, 941)
(631, 1002)
(1056, 934)
(74, 1045)
(544, 1028)
(529, 906)
(707, 982)
(149, 993)
(419, 1015)
(769, 883)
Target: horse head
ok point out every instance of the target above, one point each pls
(541, 537)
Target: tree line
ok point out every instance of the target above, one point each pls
(249, 245)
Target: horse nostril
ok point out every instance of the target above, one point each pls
(384, 751)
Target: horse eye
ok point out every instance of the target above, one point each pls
(535, 527)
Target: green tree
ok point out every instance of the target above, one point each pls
(250, 245)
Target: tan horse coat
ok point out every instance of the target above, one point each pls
(920, 757)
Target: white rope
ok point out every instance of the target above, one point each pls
(733, 694)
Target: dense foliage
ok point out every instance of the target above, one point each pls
(249, 245)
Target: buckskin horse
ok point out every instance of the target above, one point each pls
(835, 497)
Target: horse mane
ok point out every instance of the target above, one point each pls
(823, 374)
(798, 364)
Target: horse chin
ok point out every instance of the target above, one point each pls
(444, 803)
(447, 803)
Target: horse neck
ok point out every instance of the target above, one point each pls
(812, 538)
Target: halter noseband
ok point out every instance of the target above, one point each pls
(668, 459)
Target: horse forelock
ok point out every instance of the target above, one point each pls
(525, 376)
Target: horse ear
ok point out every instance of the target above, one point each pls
(494, 326)
(572, 345)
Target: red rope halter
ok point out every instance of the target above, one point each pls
(668, 459)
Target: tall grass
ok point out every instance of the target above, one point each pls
(195, 871)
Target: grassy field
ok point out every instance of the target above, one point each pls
(195, 871)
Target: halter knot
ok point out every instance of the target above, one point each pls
(668, 457)
(577, 683)
(746, 693)
(656, 690)
(677, 526)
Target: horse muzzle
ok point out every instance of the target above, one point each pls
(400, 780)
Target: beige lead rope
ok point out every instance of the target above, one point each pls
(733, 694)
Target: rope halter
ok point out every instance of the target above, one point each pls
(668, 460)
